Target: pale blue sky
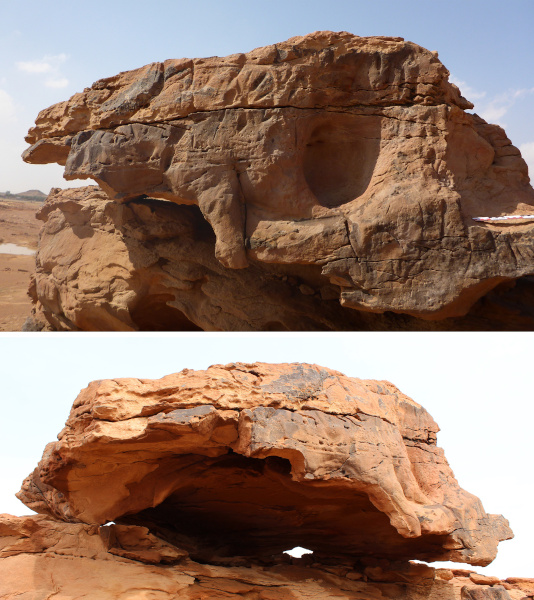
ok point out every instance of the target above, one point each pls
(478, 387)
(50, 50)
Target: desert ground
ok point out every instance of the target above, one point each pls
(18, 225)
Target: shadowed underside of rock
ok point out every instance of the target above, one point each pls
(252, 460)
(350, 159)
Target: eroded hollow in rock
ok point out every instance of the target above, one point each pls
(153, 313)
(352, 155)
(232, 505)
(340, 156)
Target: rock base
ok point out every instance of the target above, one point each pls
(150, 265)
(42, 558)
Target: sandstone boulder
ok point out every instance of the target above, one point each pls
(150, 265)
(251, 460)
(192, 487)
(351, 158)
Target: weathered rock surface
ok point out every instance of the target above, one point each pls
(150, 265)
(211, 475)
(42, 558)
(252, 460)
(353, 157)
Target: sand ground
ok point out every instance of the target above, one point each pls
(18, 225)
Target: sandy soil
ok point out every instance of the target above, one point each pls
(18, 225)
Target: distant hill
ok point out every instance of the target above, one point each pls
(30, 196)
(33, 194)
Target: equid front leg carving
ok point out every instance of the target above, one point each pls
(222, 206)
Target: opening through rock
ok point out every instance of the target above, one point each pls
(298, 552)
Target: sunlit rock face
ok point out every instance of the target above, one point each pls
(252, 460)
(150, 265)
(351, 159)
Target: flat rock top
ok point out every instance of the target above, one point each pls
(253, 459)
(296, 386)
(320, 69)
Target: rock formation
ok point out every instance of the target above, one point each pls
(346, 163)
(193, 486)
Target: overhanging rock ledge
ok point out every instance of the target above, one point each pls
(254, 459)
(192, 486)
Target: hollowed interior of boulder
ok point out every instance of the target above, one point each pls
(153, 313)
(340, 155)
(232, 505)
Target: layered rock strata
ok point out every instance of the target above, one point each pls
(350, 159)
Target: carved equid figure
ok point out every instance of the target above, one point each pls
(352, 155)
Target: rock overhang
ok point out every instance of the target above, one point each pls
(255, 459)
(352, 155)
